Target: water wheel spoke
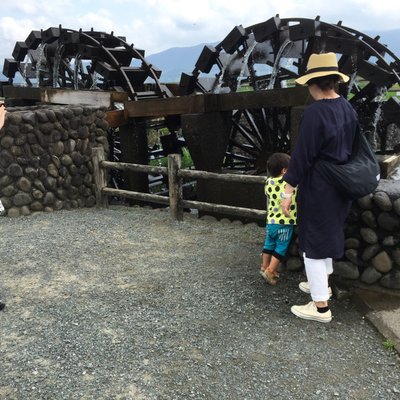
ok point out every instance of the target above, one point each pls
(243, 147)
(240, 157)
(253, 126)
(246, 135)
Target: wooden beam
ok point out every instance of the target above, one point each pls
(116, 118)
(122, 166)
(22, 92)
(162, 107)
(197, 174)
(223, 209)
(193, 104)
(151, 198)
(196, 104)
(289, 97)
(65, 96)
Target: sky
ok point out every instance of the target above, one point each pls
(156, 25)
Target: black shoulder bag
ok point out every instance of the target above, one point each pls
(359, 176)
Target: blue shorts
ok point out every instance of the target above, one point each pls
(277, 240)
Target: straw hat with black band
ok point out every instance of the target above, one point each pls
(321, 65)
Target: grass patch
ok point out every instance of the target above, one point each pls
(388, 344)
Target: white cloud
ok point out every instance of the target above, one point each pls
(26, 7)
(155, 25)
(172, 23)
(12, 30)
(100, 21)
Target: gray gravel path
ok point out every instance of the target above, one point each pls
(125, 304)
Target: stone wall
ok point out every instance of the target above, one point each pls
(373, 238)
(372, 245)
(45, 157)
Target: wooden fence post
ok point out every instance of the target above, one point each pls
(100, 176)
(175, 187)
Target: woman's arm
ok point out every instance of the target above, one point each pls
(287, 201)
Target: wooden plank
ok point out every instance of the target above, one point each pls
(194, 104)
(116, 118)
(22, 92)
(65, 96)
(188, 173)
(163, 107)
(183, 173)
(134, 167)
(151, 198)
(119, 97)
(290, 97)
(222, 209)
(77, 97)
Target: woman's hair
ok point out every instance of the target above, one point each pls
(276, 162)
(325, 82)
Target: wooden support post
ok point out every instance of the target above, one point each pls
(133, 137)
(175, 187)
(100, 176)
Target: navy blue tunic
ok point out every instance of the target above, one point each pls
(326, 130)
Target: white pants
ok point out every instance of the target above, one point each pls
(317, 275)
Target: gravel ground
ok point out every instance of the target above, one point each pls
(125, 304)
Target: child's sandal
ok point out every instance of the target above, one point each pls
(269, 277)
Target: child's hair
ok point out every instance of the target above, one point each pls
(276, 162)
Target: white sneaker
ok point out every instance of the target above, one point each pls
(305, 287)
(310, 312)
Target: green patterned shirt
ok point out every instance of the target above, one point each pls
(274, 190)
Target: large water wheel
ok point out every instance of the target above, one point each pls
(270, 55)
(66, 58)
(90, 60)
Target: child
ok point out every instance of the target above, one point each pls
(279, 229)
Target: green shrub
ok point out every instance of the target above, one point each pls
(187, 161)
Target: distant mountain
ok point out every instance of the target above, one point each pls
(176, 60)
(172, 62)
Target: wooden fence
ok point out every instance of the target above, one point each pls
(175, 177)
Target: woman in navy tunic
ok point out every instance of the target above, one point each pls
(326, 131)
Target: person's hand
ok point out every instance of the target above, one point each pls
(286, 203)
(2, 114)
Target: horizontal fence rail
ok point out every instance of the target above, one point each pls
(189, 173)
(135, 167)
(151, 198)
(175, 177)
